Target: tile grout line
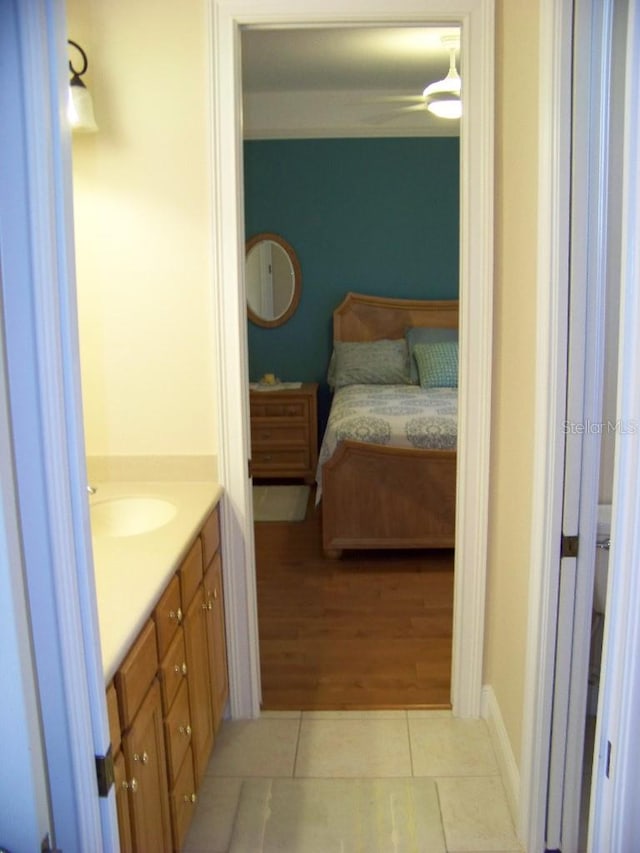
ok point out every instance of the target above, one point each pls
(235, 815)
(295, 757)
(413, 774)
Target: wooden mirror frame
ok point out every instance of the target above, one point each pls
(297, 279)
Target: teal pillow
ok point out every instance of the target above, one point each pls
(371, 363)
(425, 335)
(437, 364)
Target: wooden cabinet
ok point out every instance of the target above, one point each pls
(284, 432)
(219, 677)
(122, 804)
(145, 761)
(142, 745)
(195, 634)
(167, 700)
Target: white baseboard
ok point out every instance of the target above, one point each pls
(504, 753)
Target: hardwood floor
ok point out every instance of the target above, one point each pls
(371, 630)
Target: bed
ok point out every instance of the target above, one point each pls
(381, 495)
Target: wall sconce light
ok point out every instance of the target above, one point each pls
(80, 106)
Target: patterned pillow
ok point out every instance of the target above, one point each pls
(371, 363)
(437, 364)
(425, 335)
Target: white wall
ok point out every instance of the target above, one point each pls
(143, 229)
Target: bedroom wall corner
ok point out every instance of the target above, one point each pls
(514, 368)
(143, 230)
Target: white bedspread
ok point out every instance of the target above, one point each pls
(393, 415)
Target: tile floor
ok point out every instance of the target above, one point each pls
(353, 782)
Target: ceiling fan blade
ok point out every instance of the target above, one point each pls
(397, 99)
(392, 115)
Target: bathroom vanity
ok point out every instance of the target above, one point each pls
(161, 608)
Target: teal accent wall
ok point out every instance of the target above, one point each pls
(377, 216)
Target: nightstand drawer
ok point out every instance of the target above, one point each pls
(279, 408)
(278, 459)
(272, 433)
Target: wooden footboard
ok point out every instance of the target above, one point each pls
(386, 497)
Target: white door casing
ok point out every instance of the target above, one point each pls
(615, 817)
(582, 427)
(476, 18)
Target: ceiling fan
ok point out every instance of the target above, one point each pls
(442, 98)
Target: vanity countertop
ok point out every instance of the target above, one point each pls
(131, 572)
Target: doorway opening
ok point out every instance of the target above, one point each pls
(369, 201)
(475, 324)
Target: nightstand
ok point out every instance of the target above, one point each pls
(284, 432)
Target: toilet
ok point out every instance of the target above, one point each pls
(602, 558)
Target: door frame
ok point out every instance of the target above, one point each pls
(589, 252)
(476, 18)
(614, 814)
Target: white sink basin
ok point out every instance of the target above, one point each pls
(130, 516)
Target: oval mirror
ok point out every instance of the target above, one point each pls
(273, 280)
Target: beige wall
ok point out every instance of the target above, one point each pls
(514, 357)
(143, 229)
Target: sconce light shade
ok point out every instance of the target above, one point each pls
(80, 105)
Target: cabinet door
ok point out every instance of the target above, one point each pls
(217, 642)
(183, 802)
(195, 636)
(145, 759)
(122, 804)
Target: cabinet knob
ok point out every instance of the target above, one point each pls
(185, 730)
(180, 668)
(176, 615)
(144, 758)
(190, 798)
(130, 786)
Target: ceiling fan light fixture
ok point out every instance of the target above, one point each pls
(444, 105)
(442, 98)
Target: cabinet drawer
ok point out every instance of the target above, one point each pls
(210, 537)
(277, 459)
(134, 677)
(177, 733)
(274, 433)
(114, 718)
(183, 802)
(173, 670)
(191, 573)
(168, 615)
(279, 408)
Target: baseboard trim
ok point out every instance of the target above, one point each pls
(504, 753)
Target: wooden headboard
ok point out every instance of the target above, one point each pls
(371, 318)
